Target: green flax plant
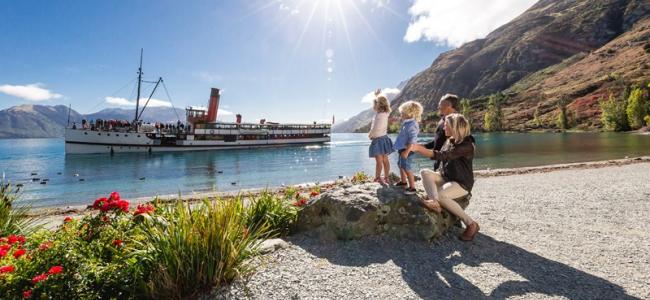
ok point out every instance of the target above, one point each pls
(201, 247)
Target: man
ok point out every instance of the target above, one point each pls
(447, 105)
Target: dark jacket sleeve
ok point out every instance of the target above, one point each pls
(461, 150)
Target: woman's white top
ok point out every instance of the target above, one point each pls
(379, 125)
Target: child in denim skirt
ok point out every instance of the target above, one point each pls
(410, 113)
(381, 145)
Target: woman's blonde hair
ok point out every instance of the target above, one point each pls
(380, 104)
(411, 110)
(459, 126)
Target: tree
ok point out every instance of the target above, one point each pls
(562, 122)
(493, 117)
(636, 108)
(613, 114)
(466, 110)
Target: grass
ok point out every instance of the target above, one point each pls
(14, 219)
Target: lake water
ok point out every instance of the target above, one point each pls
(139, 175)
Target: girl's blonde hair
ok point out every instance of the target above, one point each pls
(411, 110)
(459, 126)
(380, 104)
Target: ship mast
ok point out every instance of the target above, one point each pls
(137, 100)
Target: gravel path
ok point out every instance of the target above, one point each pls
(577, 234)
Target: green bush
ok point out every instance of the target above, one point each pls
(196, 249)
(613, 115)
(273, 211)
(647, 120)
(636, 108)
(99, 256)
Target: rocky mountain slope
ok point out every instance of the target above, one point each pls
(557, 48)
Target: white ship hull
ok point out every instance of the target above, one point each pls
(89, 142)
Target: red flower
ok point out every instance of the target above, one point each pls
(3, 239)
(7, 269)
(67, 219)
(19, 253)
(12, 239)
(123, 205)
(45, 246)
(114, 196)
(3, 253)
(55, 270)
(39, 278)
(27, 294)
(314, 194)
(143, 209)
(297, 195)
(99, 202)
(5, 247)
(105, 219)
(117, 243)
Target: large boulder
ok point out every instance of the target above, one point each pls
(353, 211)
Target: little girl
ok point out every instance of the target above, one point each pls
(381, 145)
(410, 113)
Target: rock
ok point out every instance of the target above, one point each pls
(354, 211)
(272, 245)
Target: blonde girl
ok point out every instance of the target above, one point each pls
(381, 145)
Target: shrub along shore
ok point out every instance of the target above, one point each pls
(169, 249)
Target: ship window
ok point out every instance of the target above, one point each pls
(117, 134)
(86, 133)
(138, 135)
(108, 134)
(126, 135)
(99, 134)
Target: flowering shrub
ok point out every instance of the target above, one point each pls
(153, 251)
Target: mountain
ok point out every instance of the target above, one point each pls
(44, 121)
(151, 114)
(34, 121)
(557, 49)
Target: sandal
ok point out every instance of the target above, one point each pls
(470, 232)
(379, 180)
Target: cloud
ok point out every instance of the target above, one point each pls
(390, 93)
(207, 77)
(31, 92)
(453, 23)
(125, 102)
(223, 112)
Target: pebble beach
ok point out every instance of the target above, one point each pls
(576, 232)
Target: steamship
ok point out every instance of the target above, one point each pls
(199, 131)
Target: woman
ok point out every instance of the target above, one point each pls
(456, 176)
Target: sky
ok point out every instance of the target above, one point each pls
(282, 60)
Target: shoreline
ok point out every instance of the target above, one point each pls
(80, 210)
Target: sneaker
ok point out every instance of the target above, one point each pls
(410, 191)
(379, 180)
